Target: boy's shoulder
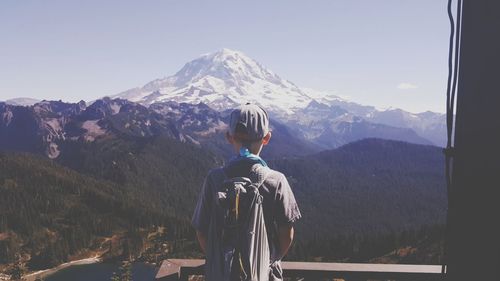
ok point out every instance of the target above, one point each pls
(274, 177)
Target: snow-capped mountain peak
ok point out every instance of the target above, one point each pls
(223, 79)
(225, 64)
(227, 78)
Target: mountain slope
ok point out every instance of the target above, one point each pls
(368, 188)
(366, 170)
(49, 213)
(96, 193)
(363, 190)
(162, 172)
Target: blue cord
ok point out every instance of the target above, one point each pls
(244, 152)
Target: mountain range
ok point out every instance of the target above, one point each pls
(227, 78)
(193, 104)
(48, 126)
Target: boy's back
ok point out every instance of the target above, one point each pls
(279, 206)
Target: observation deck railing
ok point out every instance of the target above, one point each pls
(181, 269)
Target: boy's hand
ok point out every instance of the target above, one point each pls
(285, 237)
(202, 240)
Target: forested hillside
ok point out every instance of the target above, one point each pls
(359, 202)
(161, 172)
(50, 213)
(370, 192)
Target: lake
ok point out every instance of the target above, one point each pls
(102, 272)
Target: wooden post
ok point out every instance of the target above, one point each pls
(183, 276)
(474, 239)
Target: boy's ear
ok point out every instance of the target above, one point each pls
(266, 138)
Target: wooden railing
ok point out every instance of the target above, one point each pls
(181, 269)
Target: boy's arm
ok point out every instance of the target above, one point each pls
(287, 213)
(285, 237)
(201, 215)
(202, 240)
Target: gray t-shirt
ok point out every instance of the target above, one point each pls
(279, 203)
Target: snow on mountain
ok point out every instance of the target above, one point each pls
(318, 117)
(223, 79)
(325, 97)
(22, 101)
(430, 125)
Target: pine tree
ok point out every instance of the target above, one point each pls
(125, 272)
(18, 270)
(115, 277)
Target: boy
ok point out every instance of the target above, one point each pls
(248, 133)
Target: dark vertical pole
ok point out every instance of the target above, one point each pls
(474, 239)
(183, 276)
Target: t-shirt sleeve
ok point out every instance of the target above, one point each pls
(287, 208)
(202, 211)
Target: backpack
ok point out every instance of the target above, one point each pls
(238, 247)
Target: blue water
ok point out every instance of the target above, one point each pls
(101, 272)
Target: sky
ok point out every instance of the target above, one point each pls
(385, 53)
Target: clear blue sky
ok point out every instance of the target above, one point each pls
(383, 53)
